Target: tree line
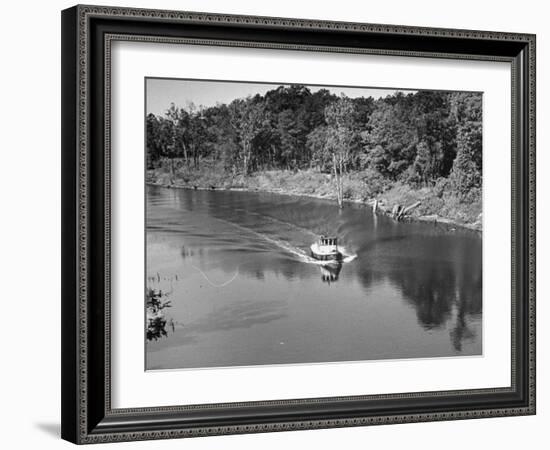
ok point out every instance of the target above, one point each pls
(420, 138)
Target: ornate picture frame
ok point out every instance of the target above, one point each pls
(88, 33)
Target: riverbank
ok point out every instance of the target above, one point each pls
(428, 204)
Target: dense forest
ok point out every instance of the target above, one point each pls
(424, 145)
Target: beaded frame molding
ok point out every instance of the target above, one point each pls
(87, 35)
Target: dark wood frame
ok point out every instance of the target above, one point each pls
(87, 32)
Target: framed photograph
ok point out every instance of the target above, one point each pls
(279, 224)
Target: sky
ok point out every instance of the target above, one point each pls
(162, 92)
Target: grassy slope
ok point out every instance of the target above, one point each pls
(358, 187)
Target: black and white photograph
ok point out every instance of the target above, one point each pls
(275, 225)
(289, 223)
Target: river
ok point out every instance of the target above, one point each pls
(244, 290)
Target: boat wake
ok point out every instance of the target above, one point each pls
(304, 257)
(299, 253)
(284, 223)
(213, 284)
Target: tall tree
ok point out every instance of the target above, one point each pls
(248, 119)
(466, 174)
(194, 134)
(390, 141)
(177, 122)
(153, 140)
(316, 144)
(341, 135)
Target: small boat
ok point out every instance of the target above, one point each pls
(326, 249)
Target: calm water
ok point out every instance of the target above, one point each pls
(244, 291)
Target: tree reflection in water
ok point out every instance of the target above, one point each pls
(445, 293)
(442, 292)
(468, 303)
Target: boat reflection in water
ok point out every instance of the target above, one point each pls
(330, 272)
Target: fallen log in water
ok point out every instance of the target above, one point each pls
(399, 211)
(396, 211)
(405, 211)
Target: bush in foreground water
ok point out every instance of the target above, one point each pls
(155, 319)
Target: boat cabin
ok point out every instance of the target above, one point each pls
(328, 241)
(326, 249)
